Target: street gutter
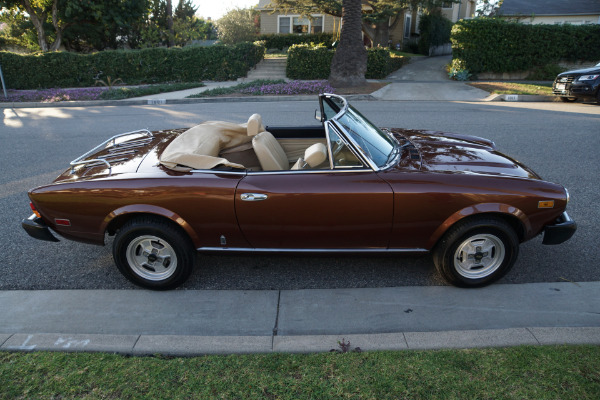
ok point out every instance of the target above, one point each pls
(145, 102)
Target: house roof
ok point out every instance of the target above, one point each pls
(262, 5)
(549, 7)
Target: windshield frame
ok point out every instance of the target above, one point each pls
(339, 104)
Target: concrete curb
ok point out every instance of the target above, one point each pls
(146, 102)
(188, 346)
(521, 98)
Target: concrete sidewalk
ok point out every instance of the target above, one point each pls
(201, 322)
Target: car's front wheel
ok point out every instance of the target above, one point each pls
(153, 253)
(476, 252)
(568, 99)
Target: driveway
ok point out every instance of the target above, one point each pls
(425, 78)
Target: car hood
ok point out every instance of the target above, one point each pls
(452, 153)
(592, 70)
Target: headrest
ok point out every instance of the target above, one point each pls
(315, 155)
(255, 125)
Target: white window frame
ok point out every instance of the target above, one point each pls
(407, 25)
(292, 16)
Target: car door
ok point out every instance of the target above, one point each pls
(331, 209)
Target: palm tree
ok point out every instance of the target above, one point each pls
(349, 63)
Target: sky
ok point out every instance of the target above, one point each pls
(216, 8)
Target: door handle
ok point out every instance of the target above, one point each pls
(253, 196)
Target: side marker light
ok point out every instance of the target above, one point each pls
(546, 204)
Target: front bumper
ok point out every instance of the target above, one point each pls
(575, 90)
(561, 231)
(36, 228)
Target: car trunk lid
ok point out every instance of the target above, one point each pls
(120, 154)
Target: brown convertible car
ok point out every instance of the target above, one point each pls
(344, 185)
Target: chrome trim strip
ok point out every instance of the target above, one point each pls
(218, 171)
(309, 171)
(271, 250)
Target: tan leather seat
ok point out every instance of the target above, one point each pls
(255, 126)
(314, 156)
(269, 152)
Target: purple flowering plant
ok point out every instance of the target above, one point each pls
(53, 95)
(288, 88)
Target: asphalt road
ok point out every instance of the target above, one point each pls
(559, 141)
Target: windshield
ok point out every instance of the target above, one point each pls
(374, 143)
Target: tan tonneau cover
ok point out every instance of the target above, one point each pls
(199, 147)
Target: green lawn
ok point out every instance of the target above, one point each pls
(514, 88)
(548, 372)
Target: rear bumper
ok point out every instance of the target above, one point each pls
(561, 231)
(36, 228)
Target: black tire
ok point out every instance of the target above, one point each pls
(476, 252)
(154, 253)
(568, 99)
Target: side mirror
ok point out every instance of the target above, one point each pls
(318, 116)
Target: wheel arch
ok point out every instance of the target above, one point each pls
(512, 215)
(116, 219)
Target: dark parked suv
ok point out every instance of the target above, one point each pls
(572, 85)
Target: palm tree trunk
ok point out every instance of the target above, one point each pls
(349, 63)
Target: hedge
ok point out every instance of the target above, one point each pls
(153, 65)
(435, 31)
(278, 41)
(495, 45)
(308, 62)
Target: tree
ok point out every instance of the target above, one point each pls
(238, 25)
(171, 36)
(54, 19)
(349, 63)
(488, 8)
(39, 12)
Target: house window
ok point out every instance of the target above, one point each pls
(407, 25)
(316, 25)
(447, 4)
(299, 25)
(284, 25)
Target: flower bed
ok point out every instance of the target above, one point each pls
(293, 87)
(53, 95)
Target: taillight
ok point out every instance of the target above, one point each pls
(35, 211)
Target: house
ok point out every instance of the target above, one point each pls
(457, 11)
(400, 29)
(279, 22)
(575, 12)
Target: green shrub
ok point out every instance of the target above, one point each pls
(308, 62)
(277, 41)
(495, 45)
(314, 62)
(545, 73)
(152, 65)
(435, 31)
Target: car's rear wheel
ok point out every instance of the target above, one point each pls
(476, 252)
(568, 99)
(153, 253)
